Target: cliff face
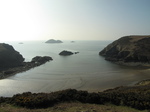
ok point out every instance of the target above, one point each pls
(9, 57)
(128, 49)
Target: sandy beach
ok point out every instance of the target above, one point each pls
(23, 82)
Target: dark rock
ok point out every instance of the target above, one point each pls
(9, 57)
(40, 59)
(8, 72)
(72, 41)
(53, 41)
(76, 52)
(128, 49)
(66, 53)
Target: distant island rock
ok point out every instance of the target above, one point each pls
(9, 57)
(20, 42)
(53, 41)
(127, 49)
(72, 41)
(67, 53)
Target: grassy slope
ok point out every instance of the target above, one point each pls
(71, 107)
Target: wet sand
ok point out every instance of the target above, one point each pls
(95, 82)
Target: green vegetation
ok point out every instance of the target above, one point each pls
(137, 97)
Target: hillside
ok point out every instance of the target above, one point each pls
(135, 49)
(9, 57)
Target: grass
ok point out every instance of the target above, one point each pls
(71, 107)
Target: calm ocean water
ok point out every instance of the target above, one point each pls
(84, 71)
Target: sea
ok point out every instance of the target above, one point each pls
(86, 70)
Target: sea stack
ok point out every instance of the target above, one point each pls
(135, 49)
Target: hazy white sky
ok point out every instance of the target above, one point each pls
(73, 19)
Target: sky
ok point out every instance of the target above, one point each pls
(22, 20)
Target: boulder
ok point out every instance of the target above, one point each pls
(128, 49)
(9, 57)
(53, 41)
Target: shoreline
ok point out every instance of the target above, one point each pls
(29, 65)
(119, 95)
(142, 82)
(131, 96)
(36, 61)
(134, 64)
(13, 71)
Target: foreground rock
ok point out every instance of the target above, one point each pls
(135, 49)
(9, 57)
(53, 41)
(67, 53)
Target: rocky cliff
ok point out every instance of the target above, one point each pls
(9, 57)
(128, 49)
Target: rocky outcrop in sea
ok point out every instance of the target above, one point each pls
(67, 53)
